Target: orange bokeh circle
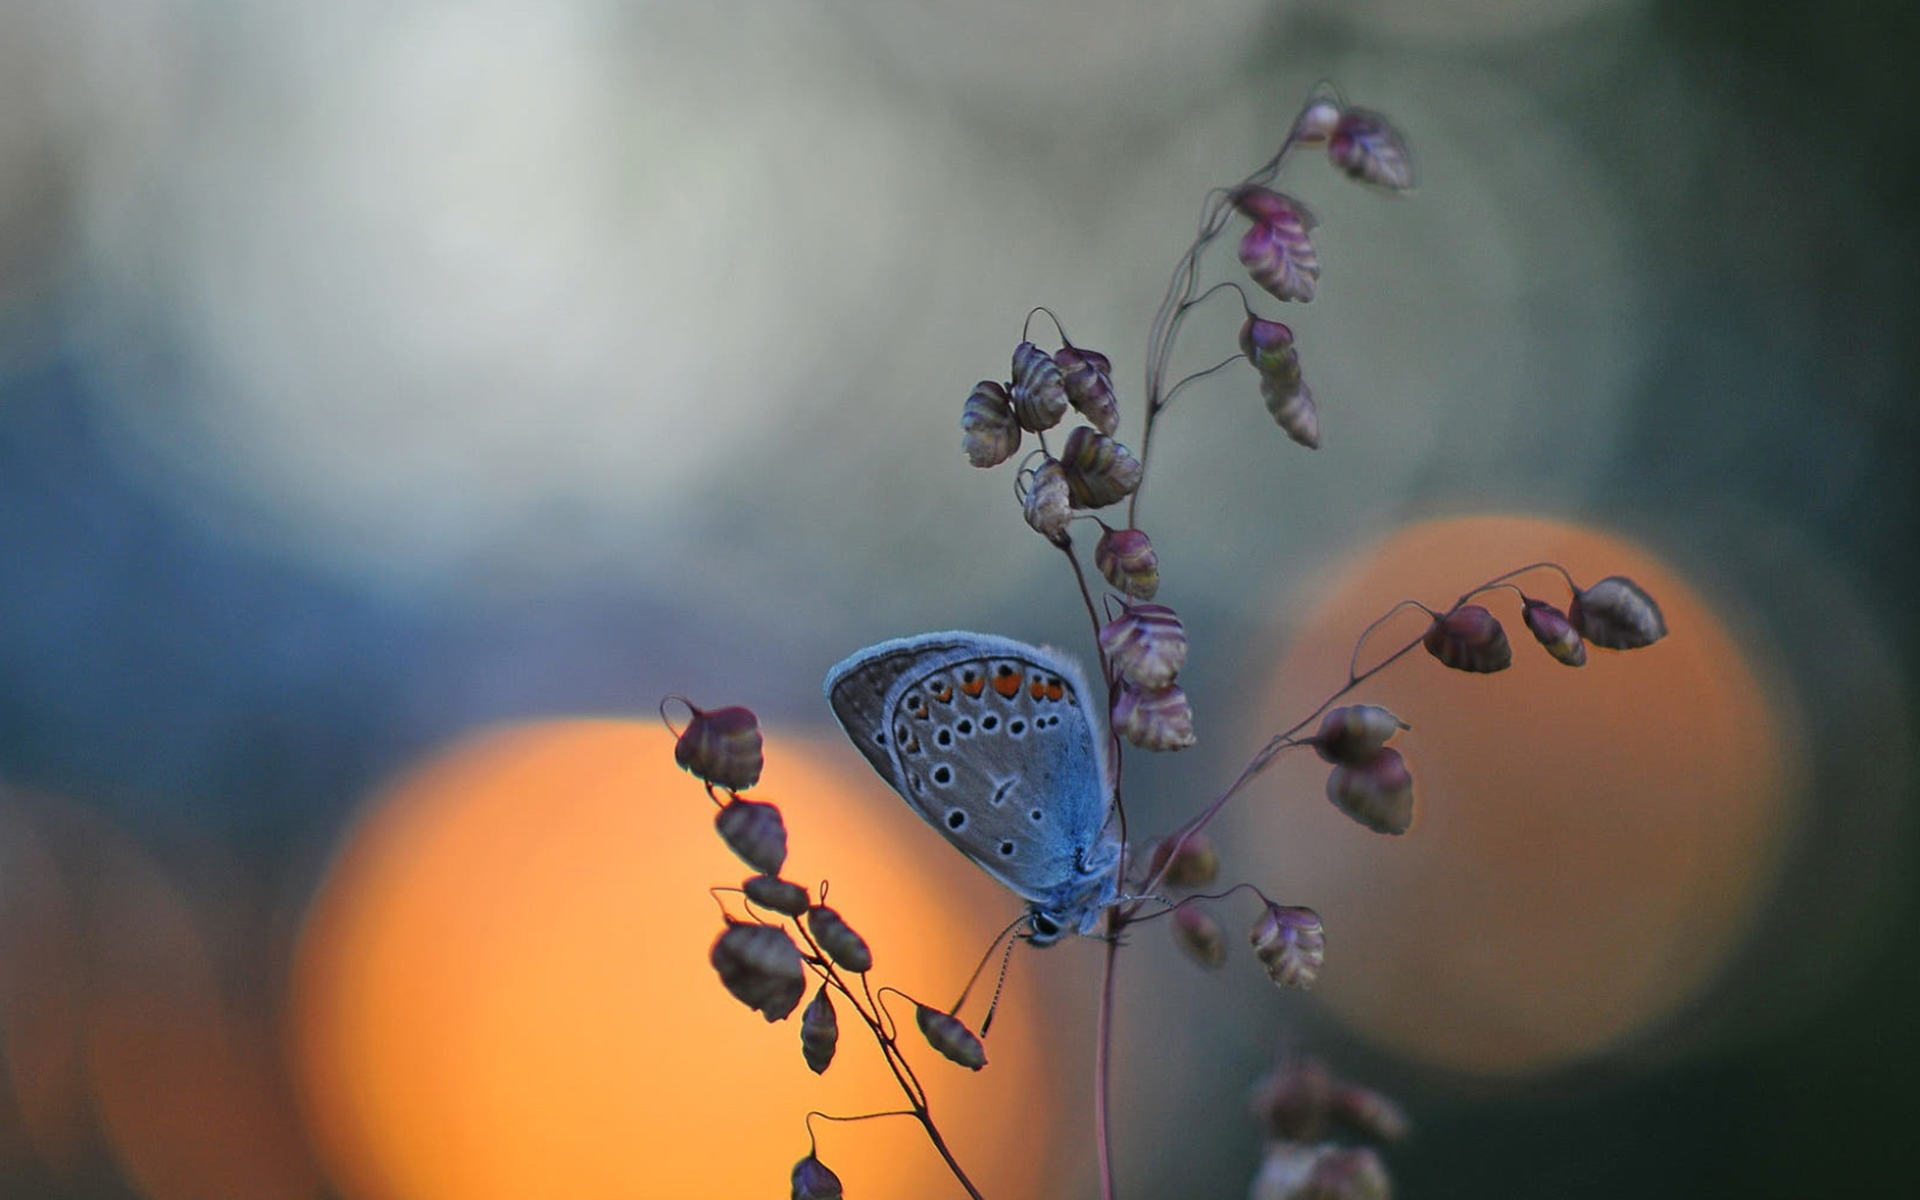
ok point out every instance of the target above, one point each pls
(503, 986)
(1591, 846)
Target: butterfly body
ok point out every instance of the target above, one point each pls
(997, 745)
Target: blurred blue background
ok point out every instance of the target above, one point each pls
(372, 372)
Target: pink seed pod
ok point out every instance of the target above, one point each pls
(1268, 345)
(988, 432)
(1100, 471)
(721, 747)
(755, 832)
(1552, 629)
(1293, 409)
(1287, 1171)
(1264, 206)
(1039, 393)
(1200, 935)
(812, 1181)
(845, 947)
(777, 895)
(1618, 614)
(1291, 943)
(1294, 1101)
(1365, 147)
(819, 1032)
(1195, 864)
(947, 1035)
(1469, 638)
(1159, 719)
(1280, 257)
(761, 966)
(1377, 793)
(1089, 381)
(1369, 1113)
(1348, 1173)
(1146, 644)
(1316, 122)
(1048, 504)
(1352, 734)
(1127, 561)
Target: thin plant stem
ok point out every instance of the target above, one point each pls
(1103, 1069)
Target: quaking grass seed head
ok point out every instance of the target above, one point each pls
(761, 967)
(1126, 560)
(1146, 644)
(1469, 638)
(846, 948)
(1291, 943)
(722, 747)
(1197, 933)
(1555, 632)
(1039, 391)
(1156, 719)
(988, 432)
(819, 1032)
(777, 895)
(812, 1181)
(1088, 378)
(1377, 792)
(952, 1039)
(755, 832)
(1352, 734)
(1617, 614)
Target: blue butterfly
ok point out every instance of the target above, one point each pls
(997, 745)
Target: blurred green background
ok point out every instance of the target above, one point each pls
(370, 373)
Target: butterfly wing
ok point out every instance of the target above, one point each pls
(996, 745)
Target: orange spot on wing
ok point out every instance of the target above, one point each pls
(974, 687)
(1008, 685)
(1056, 691)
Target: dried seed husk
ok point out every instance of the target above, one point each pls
(1200, 935)
(819, 1032)
(1100, 471)
(1159, 719)
(1146, 644)
(1469, 638)
(1195, 864)
(1378, 793)
(1617, 613)
(988, 432)
(1048, 503)
(946, 1034)
(777, 895)
(1366, 147)
(1291, 942)
(845, 947)
(761, 966)
(1554, 631)
(1088, 377)
(1126, 560)
(722, 747)
(1353, 733)
(812, 1181)
(755, 832)
(1039, 392)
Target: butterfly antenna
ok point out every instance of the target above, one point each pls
(984, 960)
(1006, 960)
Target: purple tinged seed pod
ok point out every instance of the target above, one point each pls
(1617, 613)
(1291, 942)
(1469, 638)
(845, 947)
(1352, 734)
(1276, 251)
(1294, 1101)
(777, 895)
(1367, 148)
(1200, 935)
(1127, 561)
(1160, 719)
(1268, 345)
(1369, 1113)
(721, 747)
(755, 832)
(1293, 409)
(1552, 629)
(1348, 1173)
(1039, 392)
(1287, 1170)
(1100, 471)
(1146, 644)
(819, 1032)
(988, 432)
(761, 966)
(1195, 864)
(1048, 504)
(812, 1181)
(946, 1034)
(1088, 377)
(1377, 793)
(1316, 122)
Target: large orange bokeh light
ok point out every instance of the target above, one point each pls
(1590, 847)
(503, 987)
